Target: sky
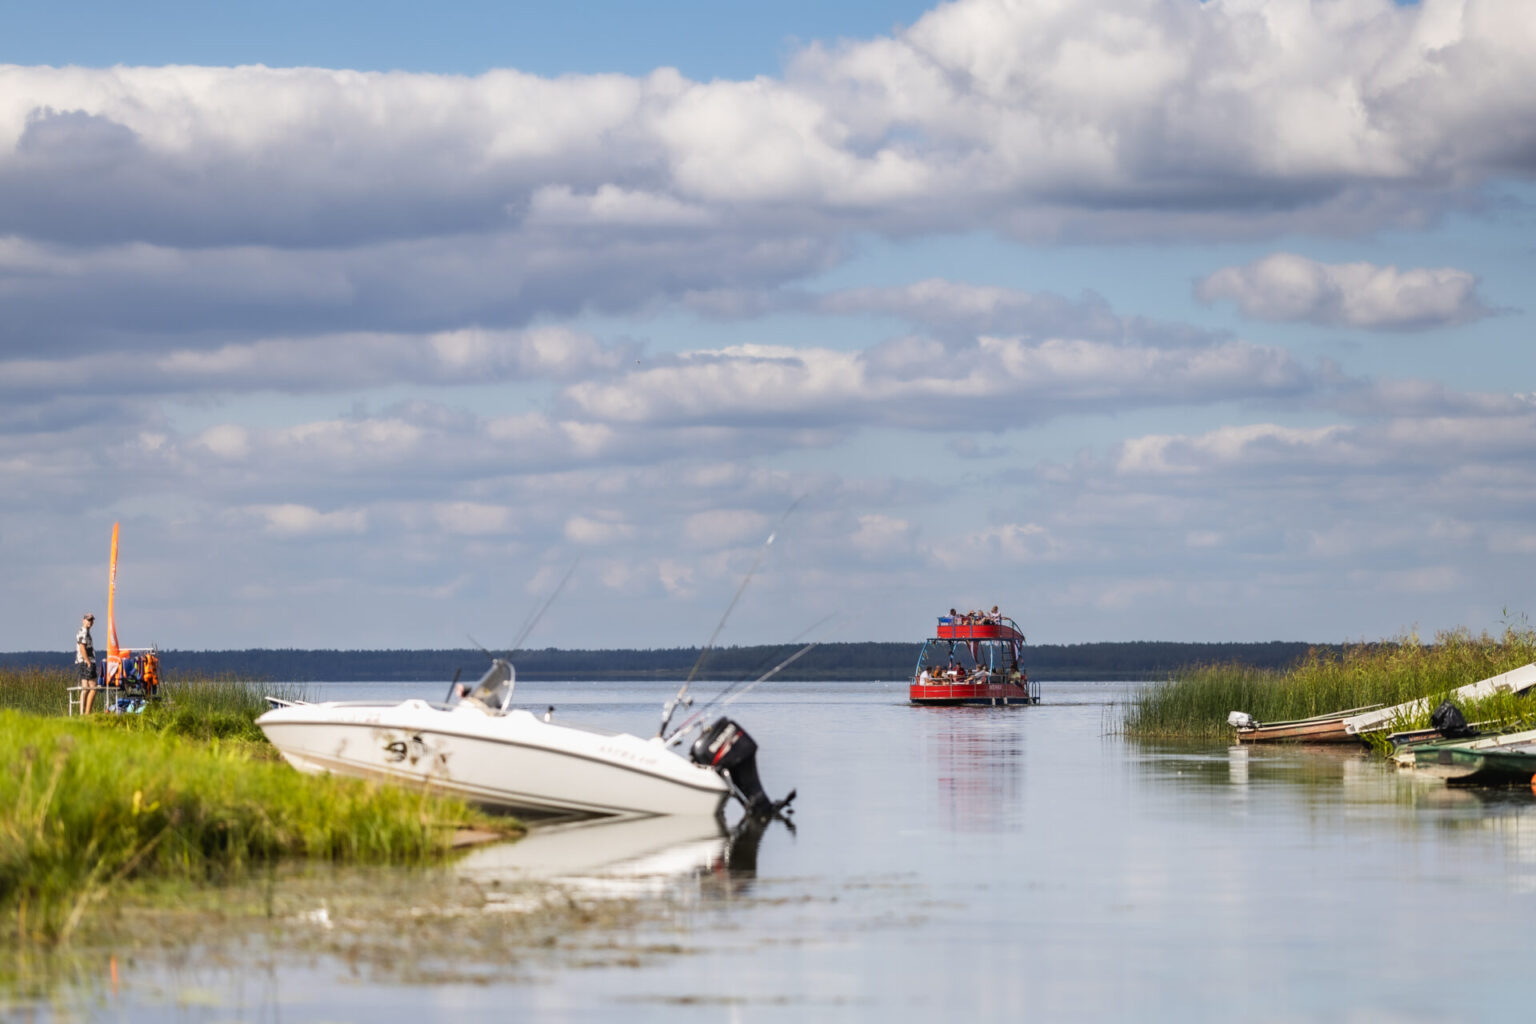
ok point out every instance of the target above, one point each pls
(1140, 319)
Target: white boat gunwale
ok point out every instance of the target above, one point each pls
(481, 738)
(454, 709)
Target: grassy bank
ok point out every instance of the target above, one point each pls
(1195, 703)
(187, 791)
(223, 708)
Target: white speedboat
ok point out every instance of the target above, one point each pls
(481, 749)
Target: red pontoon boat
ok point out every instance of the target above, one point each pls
(973, 659)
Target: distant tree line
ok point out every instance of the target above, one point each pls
(835, 662)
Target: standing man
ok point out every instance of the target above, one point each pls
(85, 663)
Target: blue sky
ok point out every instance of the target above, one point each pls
(703, 40)
(1145, 319)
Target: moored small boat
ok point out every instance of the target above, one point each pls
(1422, 749)
(973, 659)
(511, 760)
(1505, 765)
(1352, 725)
(1381, 718)
(1328, 728)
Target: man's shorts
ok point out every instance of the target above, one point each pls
(87, 672)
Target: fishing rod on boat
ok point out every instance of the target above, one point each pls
(681, 696)
(533, 620)
(453, 687)
(503, 666)
(692, 721)
(737, 690)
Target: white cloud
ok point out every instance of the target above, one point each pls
(676, 576)
(725, 527)
(289, 520)
(473, 518)
(186, 208)
(609, 205)
(882, 536)
(1157, 454)
(1287, 287)
(995, 382)
(597, 531)
(227, 441)
(955, 306)
(339, 362)
(981, 108)
(1009, 543)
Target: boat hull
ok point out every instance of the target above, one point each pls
(1460, 766)
(1327, 731)
(976, 694)
(513, 763)
(1504, 760)
(1408, 752)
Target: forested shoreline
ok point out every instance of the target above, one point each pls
(834, 661)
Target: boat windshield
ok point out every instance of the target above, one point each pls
(494, 690)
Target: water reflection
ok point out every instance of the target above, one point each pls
(1327, 781)
(628, 859)
(976, 757)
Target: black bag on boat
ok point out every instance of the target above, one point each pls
(1450, 722)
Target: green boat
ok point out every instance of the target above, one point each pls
(1495, 766)
(1501, 760)
(1421, 748)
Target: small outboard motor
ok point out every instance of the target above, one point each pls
(726, 747)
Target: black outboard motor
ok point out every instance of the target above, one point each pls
(726, 747)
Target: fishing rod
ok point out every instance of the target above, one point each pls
(527, 627)
(682, 693)
(533, 621)
(729, 694)
(693, 720)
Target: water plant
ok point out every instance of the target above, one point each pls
(37, 689)
(1195, 703)
(224, 707)
(88, 806)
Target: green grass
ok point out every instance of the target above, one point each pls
(41, 691)
(224, 708)
(1195, 703)
(189, 790)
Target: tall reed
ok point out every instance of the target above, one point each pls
(1195, 703)
(224, 707)
(39, 690)
(87, 808)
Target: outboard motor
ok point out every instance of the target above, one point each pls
(726, 747)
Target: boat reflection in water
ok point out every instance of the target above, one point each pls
(644, 857)
(977, 762)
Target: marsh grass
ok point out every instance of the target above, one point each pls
(219, 708)
(40, 691)
(1195, 703)
(91, 804)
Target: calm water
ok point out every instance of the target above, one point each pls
(988, 864)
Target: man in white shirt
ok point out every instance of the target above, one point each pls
(85, 663)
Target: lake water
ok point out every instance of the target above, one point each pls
(963, 863)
